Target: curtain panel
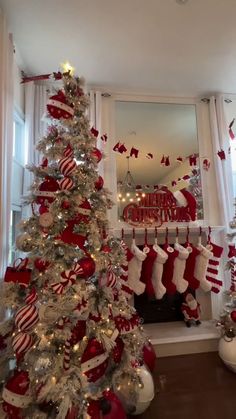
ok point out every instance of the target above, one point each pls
(6, 139)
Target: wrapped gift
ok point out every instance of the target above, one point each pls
(18, 273)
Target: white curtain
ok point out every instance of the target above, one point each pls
(102, 117)
(6, 139)
(221, 140)
(35, 127)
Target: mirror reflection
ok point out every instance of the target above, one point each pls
(157, 158)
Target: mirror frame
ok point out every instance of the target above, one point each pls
(110, 172)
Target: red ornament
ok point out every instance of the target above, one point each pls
(118, 350)
(67, 165)
(43, 209)
(78, 332)
(47, 189)
(233, 315)
(96, 153)
(116, 409)
(98, 360)
(41, 264)
(16, 395)
(149, 356)
(65, 205)
(99, 183)
(85, 267)
(72, 413)
(106, 249)
(58, 107)
(93, 409)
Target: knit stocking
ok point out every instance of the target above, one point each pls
(179, 268)
(168, 269)
(147, 268)
(190, 266)
(134, 270)
(213, 267)
(157, 272)
(201, 265)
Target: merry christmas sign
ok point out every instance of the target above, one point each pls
(157, 208)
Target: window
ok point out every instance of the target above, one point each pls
(230, 113)
(18, 164)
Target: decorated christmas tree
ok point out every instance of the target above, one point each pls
(76, 346)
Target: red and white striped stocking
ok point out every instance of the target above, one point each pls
(213, 267)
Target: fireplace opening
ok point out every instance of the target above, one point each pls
(157, 311)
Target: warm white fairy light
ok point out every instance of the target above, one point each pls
(66, 66)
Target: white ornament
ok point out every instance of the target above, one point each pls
(145, 392)
(227, 352)
(46, 219)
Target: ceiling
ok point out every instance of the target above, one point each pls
(156, 46)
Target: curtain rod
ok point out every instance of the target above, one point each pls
(207, 100)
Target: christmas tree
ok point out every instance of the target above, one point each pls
(77, 345)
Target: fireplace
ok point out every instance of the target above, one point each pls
(157, 311)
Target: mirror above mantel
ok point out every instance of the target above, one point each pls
(164, 161)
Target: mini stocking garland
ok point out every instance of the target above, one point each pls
(134, 269)
(157, 271)
(179, 268)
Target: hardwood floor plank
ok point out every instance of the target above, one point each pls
(196, 386)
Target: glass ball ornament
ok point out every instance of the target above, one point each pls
(135, 393)
(227, 352)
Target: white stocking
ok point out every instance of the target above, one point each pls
(134, 270)
(201, 265)
(179, 268)
(157, 271)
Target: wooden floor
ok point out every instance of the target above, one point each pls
(193, 387)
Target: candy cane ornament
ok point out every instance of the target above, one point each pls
(66, 359)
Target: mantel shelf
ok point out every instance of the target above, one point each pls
(182, 228)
